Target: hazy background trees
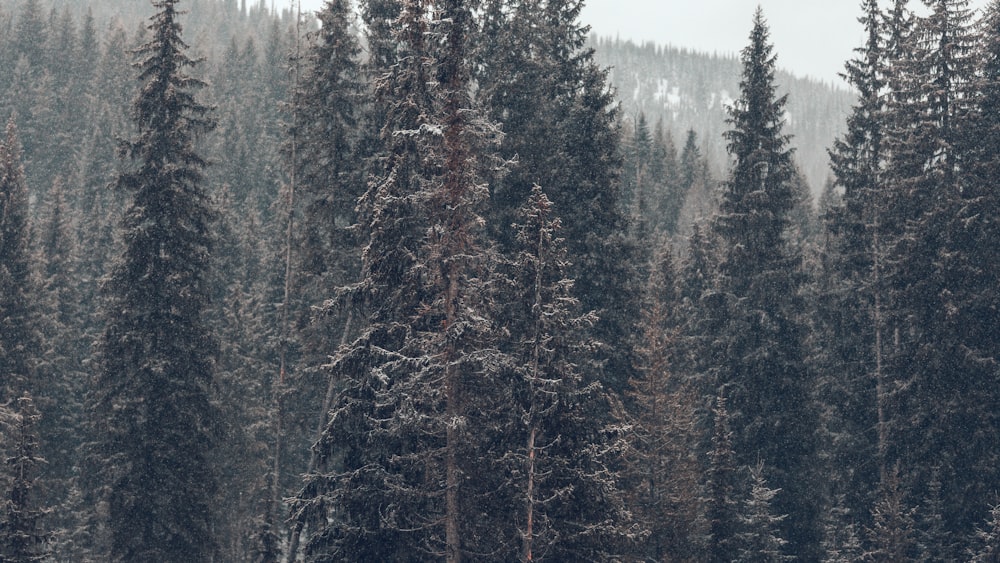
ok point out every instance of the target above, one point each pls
(493, 299)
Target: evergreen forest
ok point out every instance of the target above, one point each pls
(454, 280)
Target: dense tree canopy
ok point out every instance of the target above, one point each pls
(445, 294)
(154, 390)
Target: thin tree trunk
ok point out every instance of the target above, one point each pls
(529, 531)
(331, 388)
(880, 392)
(286, 300)
(453, 549)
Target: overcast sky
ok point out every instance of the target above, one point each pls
(811, 37)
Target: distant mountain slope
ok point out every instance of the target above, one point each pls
(691, 91)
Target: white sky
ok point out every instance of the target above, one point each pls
(811, 37)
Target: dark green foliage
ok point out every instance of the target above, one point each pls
(891, 537)
(32, 36)
(841, 542)
(986, 547)
(360, 478)
(23, 538)
(663, 468)
(722, 488)
(851, 301)
(944, 351)
(153, 396)
(541, 83)
(934, 541)
(60, 377)
(691, 89)
(757, 355)
(429, 450)
(640, 183)
(664, 165)
(17, 336)
(559, 434)
(653, 193)
(426, 452)
(325, 131)
(242, 319)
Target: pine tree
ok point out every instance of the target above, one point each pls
(760, 540)
(987, 542)
(153, 395)
(17, 334)
(560, 122)
(663, 468)
(565, 465)
(721, 489)
(758, 353)
(852, 301)
(22, 538)
(891, 537)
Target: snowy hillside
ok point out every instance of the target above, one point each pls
(692, 90)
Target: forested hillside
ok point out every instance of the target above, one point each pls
(424, 280)
(691, 90)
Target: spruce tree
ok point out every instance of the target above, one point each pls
(758, 353)
(943, 260)
(327, 169)
(639, 183)
(986, 546)
(852, 303)
(22, 536)
(17, 338)
(841, 543)
(30, 36)
(358, 502)
(60, 373)
(156, 420)
(327, 111)
(663, 470)
(690, 163)
(722, 487)
(665, 167)
(542, 84)
(559, 439)
(891, 536)
(760, 541)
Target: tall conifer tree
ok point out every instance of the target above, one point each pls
(561, 123)
(357, 502)
(16, 332)
(663, 472)
(559, 454)
(852, 304)
(23, 538)
(758, 355)
(153, 395)
(941, 364)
